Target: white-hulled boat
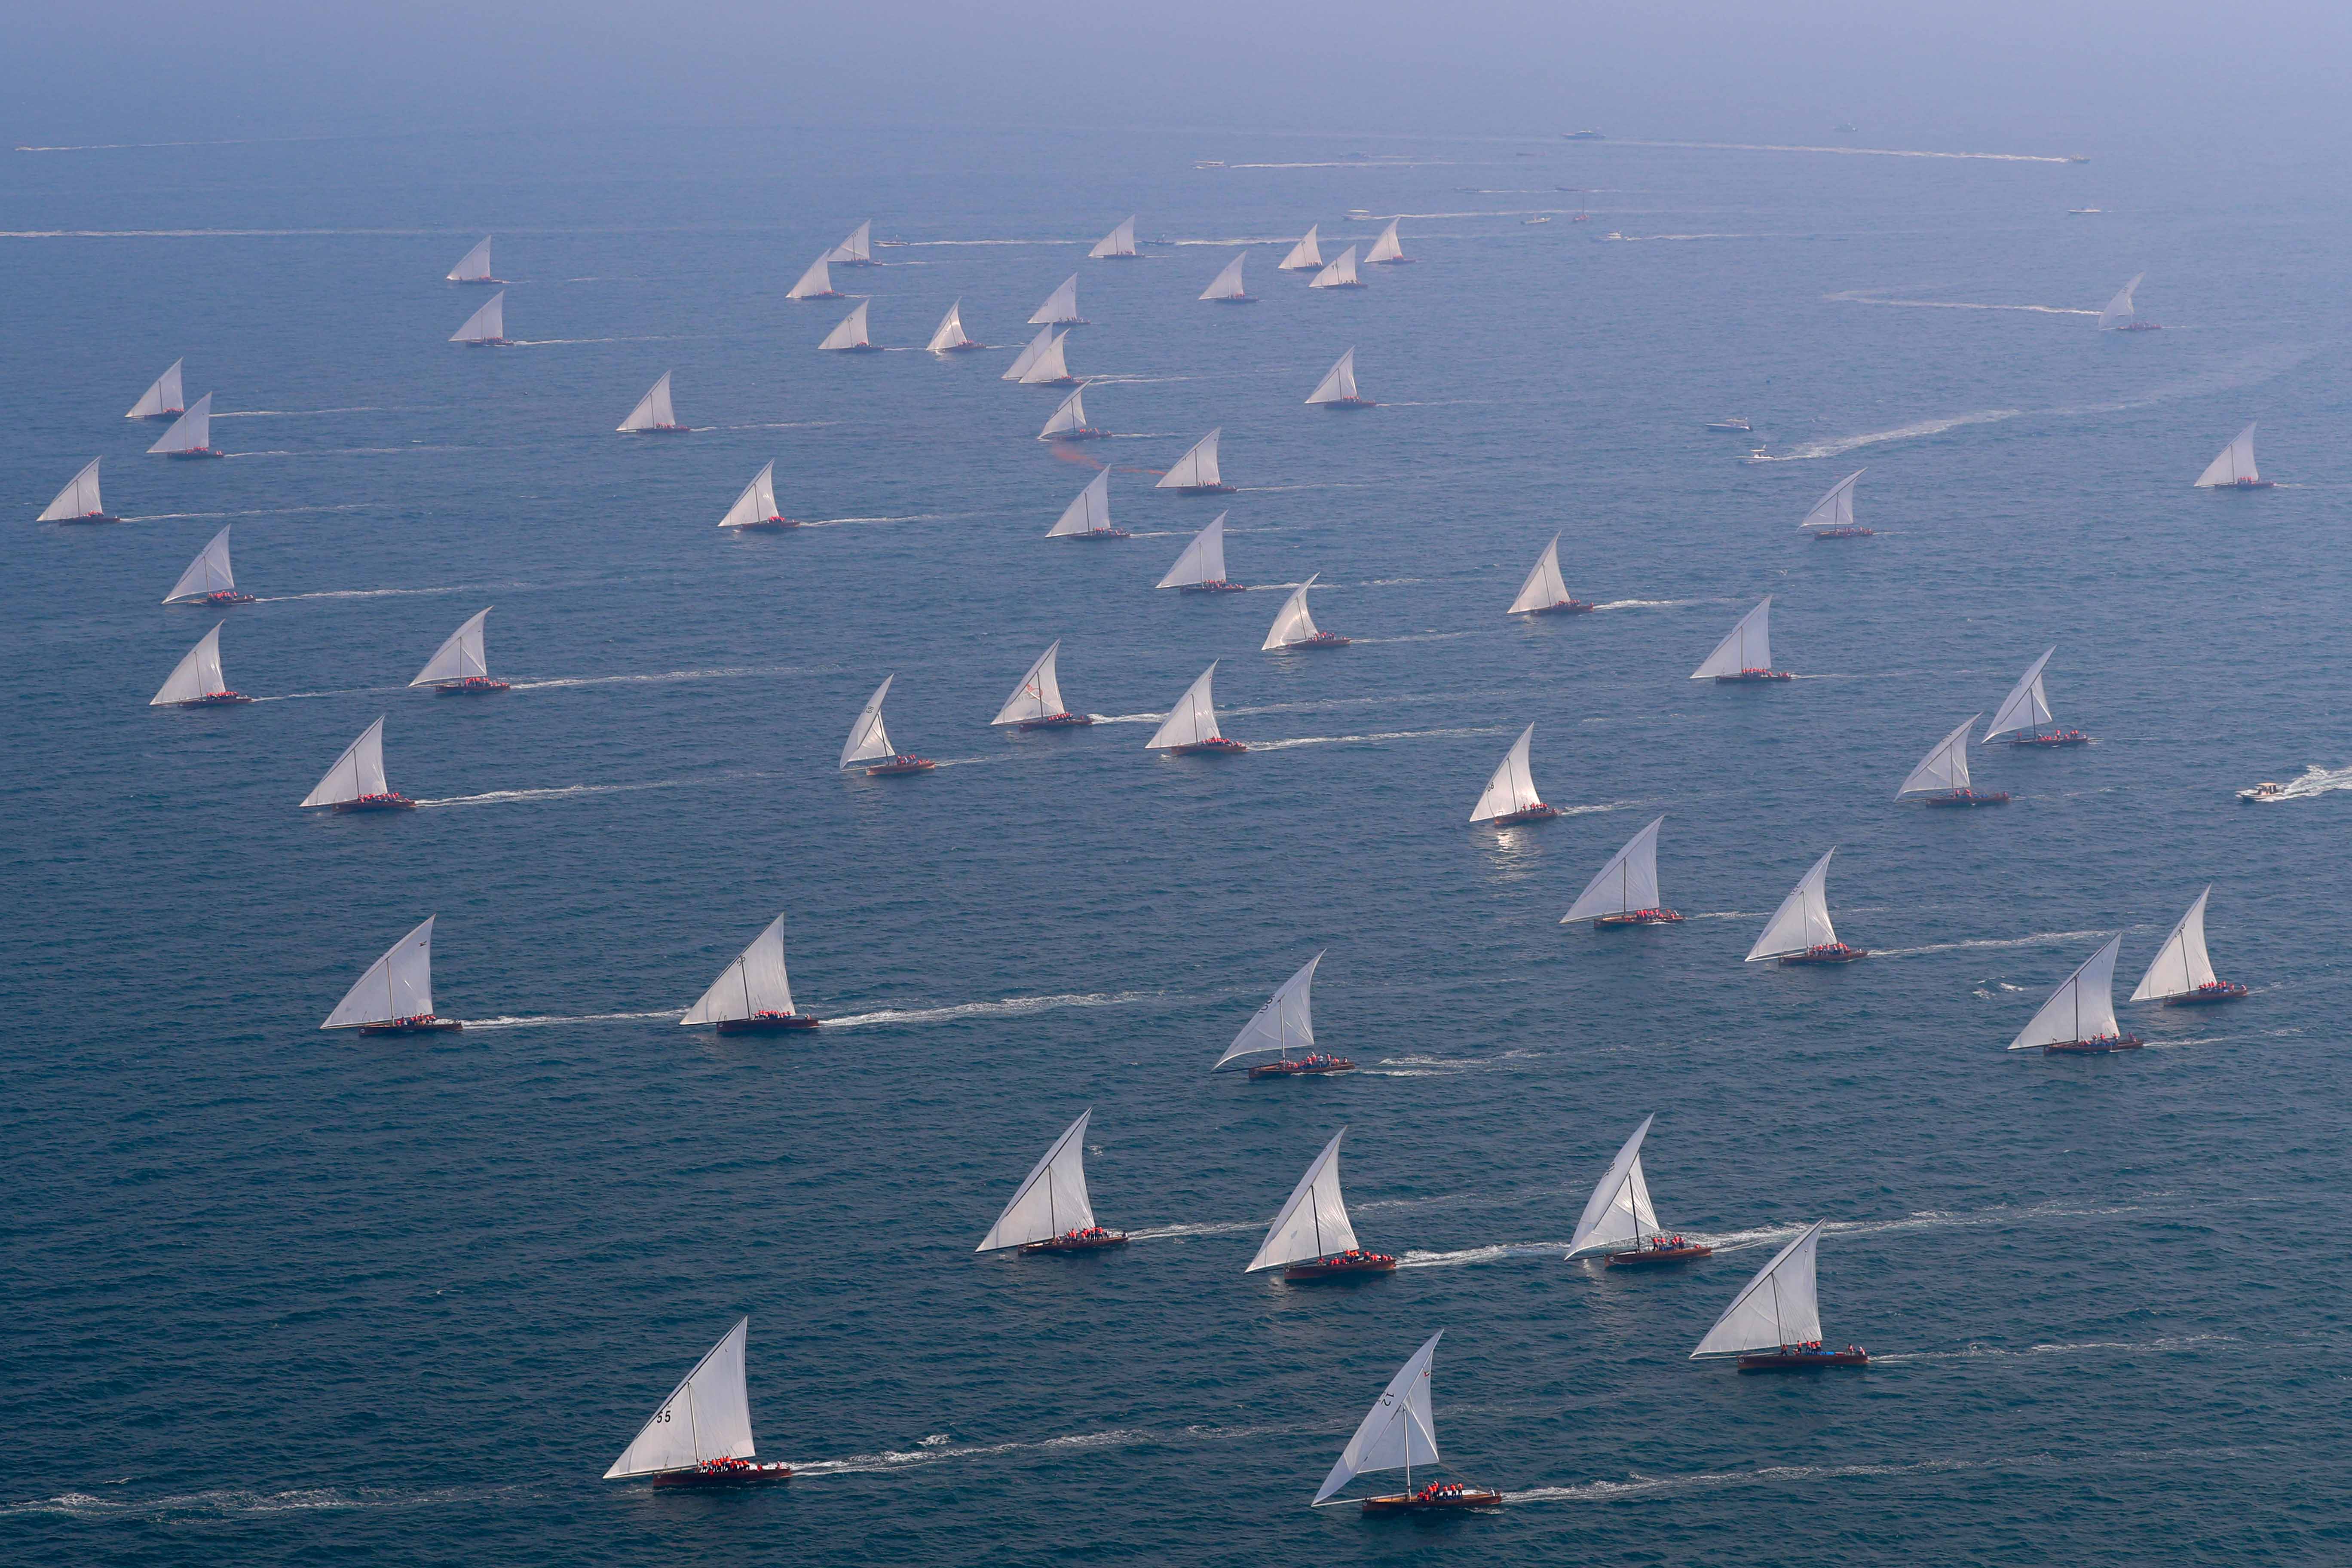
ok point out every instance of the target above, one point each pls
(1744, 654)
(164, 399)
(1338, 387)
(1832, 517)
(208, 581)
(1386, 251)
(196, 681)
(1799, 930)
(1051, 1211)
(1307, 256)
(1774, 1324)
(1202, 568)
(486, 328)
(1738, 425)
(701, 1436)
(1036, 702)
(1310, 1237)
(2121, 316)
(1285, 1025)
(1619, 1223)
(1118, 244)
(460, 667)
(1398, 1433)
(952, 337)
(191, 435)
(858, 251)
(1068, 423)
(1545, 592)
(2079, 1019)
(1050, 368)
(1089, 514)
(2024, 711)
(1029, 355)
(816, 283)
(2181, 975)
(1061, 307)
(396, 995)
(2234, 468)
(1510, 795)
(756, 507)
(474, 266)
(1340, 273)
(1195, 473)
(1295, 626)
(753, 995)
(1942, 776)
(78, 501)
(356, 782)
(850, 337)
(653, 414)
(1191, 726)
(1624, 892)
(869, 747)
(1226, 289)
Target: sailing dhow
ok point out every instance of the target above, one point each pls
(1294, 627)
(1068, 423)
(1338, 387)
(2079, 1019)
(1545, 592)
(460, 667)
(816, 283)
(753, 995)
(1310, 1237)
(2234, 468)
(1619, 1222)
(1774, 1324)
(191, 435)
(2026, 710)
(858, 251)
(1191, 726)
(1118, 244)
(653, 414)
(1942, 776)
(2182, 975)
(196, 681)
(1049, 368)
(209, 579)
(1202, 568)
(701, 1436)
(756, 507)
(850, 336)
(1744, 654)
(1061, 307)
(356, 782)
(1195, 473)
(474, 266)
(1510, 795)
(2119, 316)
(1089, 514)
(950, 338)
(1386, 251)
(78, 502)
(1398, 1433)
(163, 400)
(396, 995)
(1036, 702)
(1624, 892)
(1799, 930)
(1340, 273)
(869, 744)
(1050, 1211)
(1285, 1025)
(1307, 256)
(1832, 515)
(486, 328)
(1030, 355)
(1226, 289)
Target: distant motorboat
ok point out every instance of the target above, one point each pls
(1582, 136)
(2084, 212)
(653, 416)
(1540, 217)
(1846, 129)
(1738, 426)
(2234, 468)
(2266, 790)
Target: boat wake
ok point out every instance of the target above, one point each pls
(1497, 1253)
(365, 594)
(537, 1023)
(931, 1453)
(1978, 1352)
(1127, 718)
(910, 517)
(346, 691)
(2037, 940)
(294, 413)
(567, 792)
(2315, 780)
(1840, 446)
(1176, 1232)
(663, 678)
(1008, 1006)
(1433, 1067)
(1849, 151)
(1655, 604)
(230, 1502)
(1637, 1486)
(1876, 297)
(257, 512)
(1376, 735)
(1926, 1219)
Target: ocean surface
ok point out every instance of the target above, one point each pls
(276, 1295)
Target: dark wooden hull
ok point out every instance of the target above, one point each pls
(2063, 738)
(1057, 721)
(1083, 433)
(1753, 677)
(1637, 918)
(1537, 813)
(1845, 533)
(1070, 1246)
(1320, 640)
(722, 1481)
(1359, 1267)
(1213, 588)
(218, 699)
(431, 1026)
(1098, 534)
(1960, 797)
(1839, 953)
(782, 1024)
(1657, 1257)
(199, 452)
(1802, 1361)
(1204, 490)
(1301, 1069)
(1219, 747)
(766, 525)
(1565, 607)
(2223, 991)
(475, 686)
(1234, 299)
(1348, 403)
(2240, 485)
(395, 801)
(92, 517)
(1450, 1502)
(2094, 1048)
(900, 767)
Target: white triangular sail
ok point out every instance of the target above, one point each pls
(1228, 284)
(1802, 921)
(652, 411)
(1050, 365)
(1285, 1023)
(1294, 625)
(79, 498)
(1052, 1199)
(1398, 1433)
(1834, 510)
(487, 325)
(2235, 463)
(474, 266)
(1340, 273)
(1088, 511)
(754, 983)
(707, 1416)
(207, 573)
(757, 504)
(2181, 964)
(1314, 1221)
(2081, 1008)
(191, 432)
(1512, 787)
(1629, 882)
(2027, 705)
(1386, 248)
(868, 741)
(2119, 309)
(1780, 1306)
(1618, 1215)
(462, 656)
(1019, 368)
(1061, 307)
(1307, 256)
(164, 396)
(858, 248)
(1119, 241)
(1945, 768)
(1039, 695)
(197, 675)
(1544, 587)
(1203, 559)
(950, 334)
(1339, 383)
(1194, 719)
(1748, 646)
(397, 985)
(1070, 418)
(1197, 468)
(816, 283)
(851, 333)
(357, 773)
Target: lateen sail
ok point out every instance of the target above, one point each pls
(754, 983)
(207, 573)
(197, 675)
(950, 334)
(1039, 695)
(707, 1416)
(1197, 468)
(1399, 1431)
(1286, 1021)
(1340, 273)
(461, 657)
(1119, 241)
(2235, 463)
(78, 499)
(2027, 705)
(1629, 882)
(1294, 625)
(1544, 587)
(474, 266)
(1748, 646)
(1779, 1307)
(1194, 719)
(192, 432)
(1314, 1221)
(1088, 511)
(816, 283)
(1228, 284)
(2081, 1008)
(1305, 256)
(357, 773)
(1386, 248)
(757, 504)
(851, 333)
(163, 397)
(858, 248)
(1618, 1215)
(1203, 559)
(1052, 1199)
(397, 985)
(1944, 768)
(868, 741)
(2181, 964)
(1802, 921)
(652, 411)
(1070, 417)
(1512, 787)
(1019, 368)
(1061, 307)
(1050, 366)
(487, 325)
(1834, 510)
(2119, 309)
(1339, 383)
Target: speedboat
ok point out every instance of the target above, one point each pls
(1661, 1249)
(1826, 952)
(415, 1023)
(1339, 1265)
(1966, 797)
(1437, 1495)
(1640, 918)
(767, 1021)
(390, 800)
(1093, 1238)
(1740, 426)
(901, 764)
(2265, 790)
(1802, 1358)
(472, 686)
(1316, 1066)
(725, 1473)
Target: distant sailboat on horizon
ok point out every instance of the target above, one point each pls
(78, 501)
(753, 995)
(869, 747)
(1307, 256)
(1196, 473)
(1386, 251)
(653, 414)
(2181, 974)
(1200, 569)
(2234, 468)
(756, 507)
(1311, 1238)
(1619, 1223)
(208, 581)
(396, 995)
(190, 434)
(1510, 797)
(1941, 777)
(1190, 727)
(1037, 703)
(1545, 592)
(1774, 1324)
(2024, 711)
(1089, 514)
(1226, 289)
(1624, 892)
(2120, 315)
(1295, 626)
(1832, 517)
(1285, 1024)
(486, 328)
(1118, 244)
(1338, 387)
(460, 667)
(164, 399)
(474, 266)
(701, 1436)
(196, 681)
(850, 337)
(2079, 1019)
(1399, 1432)
(1799, 930)
(1051, 1212)
(1744, 654)
(356, 780)
(1340, 273)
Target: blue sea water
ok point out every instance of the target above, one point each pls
(276, 1295)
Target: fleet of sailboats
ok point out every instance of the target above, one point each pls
(1941, 777)
(164, 399)
(1307, 256)
(1744, 654)
(396, 995)
(1118, 244)
(1225, 288)
(1338, 387)
(1285, 1025)
(1191, 726)
(196, 681)
(1068, 423)
(1624, 892)
(1195, 473)
(474, 266)
(2079, 1019)
(1061, 307)
(1399, 1432)
(2234, 468)
(850, 337)
(78, 501)
(1386, 251)
(1036, 702)
(1832, 517)
(191, 435)
(460, 667)
(2024, 711)
(486, 328)
(1774, 1324)
(868, 748)
(356, 782)
(1295, 626)
(1089, 514)
(1310, 1237)
(950, 338)
(1051, 1212)
(816, 283)
(2181, 975)
(208, 581)
(1510, 797)
(701, 1436)
(653, 414)
(1200, 569)
(1545, 592)
(1339, 274)
(1618, 1221)
(753, 995)
(756, 507)
(1799, 930)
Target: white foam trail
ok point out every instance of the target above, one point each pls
(536, 1022)
(1127, 718)
(1873, 297)
(1008, 1006)
(2315, 780)
(2037, 940)
(1851, 152)
(1494, 1254)
(293, 413)
(567, 792)
(1218, 1227)
(929, 1453)
(1637, 1485)
(1378, 735)
(665, 676)
(346, 691)
(256, 511)
(1651, 603)
(231, 1502)
(364, 594)
(1975, 1352)
(1842, 445)
(911, 517)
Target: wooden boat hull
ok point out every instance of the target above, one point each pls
(1320, 640)
(1845, 533)
(959, 348)
(1414, 1502)
(1054, 381)
(898, 767)
(197, 452)
(1958, 797)
(161, 413)
(722, 1481)
(1203, 490)
(773, 1024)
(765, 525)
(1301, 1069)
(216, 699)
(1213, 588)
(1057, 721)
(1339, 284)
(392, 802)
(472, 686)
(1753, 677)
(476, 282)
(1637, 918)
(489, 344)
(418, 1027)
(2206, 996)
(1218, 747)
(2238, 485)
(1072, 1246)
(2093, 1047)
(2062, 738)
(1346, 403)
(1339, 1267)
(1098, 534)
(1832, 952)
(856, 348)
(92, 517)
(659, 430)
(2139, 326)
(1565, 607)
(824, 294)
(1656, 1256)
(1802, 1361)
(1234, 299)
(1536, 813)
(1083, 433)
